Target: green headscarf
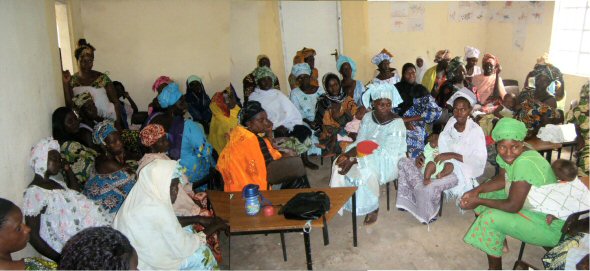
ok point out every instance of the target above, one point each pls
(454, 65)
(509, 129)
(264, 71)
(193, 78)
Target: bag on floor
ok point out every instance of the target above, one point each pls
(306, 206)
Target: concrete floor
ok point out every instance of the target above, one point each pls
(396, 241)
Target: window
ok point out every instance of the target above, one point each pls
(570, 41)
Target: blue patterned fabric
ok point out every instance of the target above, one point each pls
(196, 152)
(427, 108)
(110, 190)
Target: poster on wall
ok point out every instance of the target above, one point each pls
(468, 11)
(407, 17)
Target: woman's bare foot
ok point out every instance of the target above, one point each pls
(371, 218)
(505, 249)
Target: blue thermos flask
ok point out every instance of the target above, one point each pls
(250, 193)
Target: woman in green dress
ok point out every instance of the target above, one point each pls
(501, 205)
(579, 117)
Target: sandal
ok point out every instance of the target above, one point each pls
(371, 218)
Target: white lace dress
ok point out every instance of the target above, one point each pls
(67, 212)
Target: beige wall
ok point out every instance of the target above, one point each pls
(30, 70)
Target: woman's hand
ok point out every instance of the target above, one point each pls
(66, 77)
(420, 161)
(445, 156)
(469, 203)
(409, 126)
(216, 224)
(345, 163)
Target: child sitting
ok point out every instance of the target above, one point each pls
(561, 199)
(431, 167)
(506, 109)
(351, 129)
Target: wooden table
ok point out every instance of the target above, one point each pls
(544, 147)
(232, 208)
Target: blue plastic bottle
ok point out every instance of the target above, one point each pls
(250, 194)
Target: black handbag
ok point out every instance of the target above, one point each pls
(306, 206)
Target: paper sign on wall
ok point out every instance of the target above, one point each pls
(407, 17)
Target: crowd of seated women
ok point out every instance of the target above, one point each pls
(109, 172)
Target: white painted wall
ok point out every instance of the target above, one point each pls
(29, 70)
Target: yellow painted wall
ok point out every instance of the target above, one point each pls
(32, 88)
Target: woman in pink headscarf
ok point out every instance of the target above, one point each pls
(488, 86)
(158, 85)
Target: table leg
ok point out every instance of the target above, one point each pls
(229, 251)
(307, 250)
(559, 153)
(549, 153)
(325, 231)
(387, 188)
(354, 237)
(284, 246)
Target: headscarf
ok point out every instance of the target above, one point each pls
(344, 59)
(151, 134)
(338, 98)
(381, 56)
(465, 93)
(249, 111)
(381, 91)
(262, 72)
(494, 60)
(193, 78)
(80, 99)
(164, 245)
(169, 95)
(101, 131)
(509, 129)
(471, 52)
(453, 66)
(300, 69)
(404, 88)
(161, 80)
(259, 57)
(442, 54)
(219, 99)
(584, 93)
(40, 154)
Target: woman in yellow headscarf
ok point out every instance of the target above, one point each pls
(225, 107)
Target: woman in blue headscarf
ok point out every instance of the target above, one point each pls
(368, 170)
(353, 88)
(187, 138)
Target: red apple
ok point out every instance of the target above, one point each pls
(268, 210)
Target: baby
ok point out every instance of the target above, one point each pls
(506, 110)
(352, 127)
(559, 200)
(440, 169)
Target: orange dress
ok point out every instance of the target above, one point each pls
(241, 162)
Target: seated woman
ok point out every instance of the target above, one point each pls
(548, 84)
(98, 248)
(579, 117)
(435, 76)
(533, 113)
(455, 75)
(423, 111)
(501, 204)
(351, 87)
(80, 157)
(249, 158)
(386, 75)
(422, 198)
(188, 202)
(14, 235)
(87, 80)
(114, 177)
(305, 98)
(488, 86)
(381, 126)
(286, 119)
(171, 243)
(305, 55)
(187, 138)
(88, 116)
(128, 108)
(225, 107)
(198, 101)
(54, 210)
(404, 87)
(249, 81)
(335, 109)
(158, 85)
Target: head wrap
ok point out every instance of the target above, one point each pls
(161, 80)
(259, 57)
(471, 52)
(193, 78)
(249, 111)
(264, 71)
(554, 75)
(381, 91)
(465, 93)
(454, 65)
(101, 131)
(544, 59)
(584, 92)
(338, 98)
(509, 129)
(80, 99)
(219, 99)
(151, 134)
(381, 56)
(307, 52)
(169, 95)
(442, 54)
(344, 59)
(489, 57)
(300, 69)
(40, 154)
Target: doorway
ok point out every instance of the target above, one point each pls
(63, 36)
